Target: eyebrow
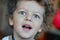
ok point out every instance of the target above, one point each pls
(20, 8)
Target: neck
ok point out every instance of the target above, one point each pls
(17, 37)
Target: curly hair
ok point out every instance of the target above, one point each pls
(12, 5)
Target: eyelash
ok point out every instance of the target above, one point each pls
(22, 12)
(36, 16)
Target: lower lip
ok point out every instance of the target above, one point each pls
(26, 29)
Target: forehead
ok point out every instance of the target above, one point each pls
(30, 6)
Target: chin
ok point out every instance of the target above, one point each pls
(26, 36)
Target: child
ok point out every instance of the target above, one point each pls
(26, 17)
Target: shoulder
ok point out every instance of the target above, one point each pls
(6, 38)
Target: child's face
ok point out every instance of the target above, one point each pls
(27, 18)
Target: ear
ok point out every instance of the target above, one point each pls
(11, 20)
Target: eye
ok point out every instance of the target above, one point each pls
(36, 16)
(22, 13)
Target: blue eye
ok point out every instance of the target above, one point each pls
(22, 12)
(36, 16)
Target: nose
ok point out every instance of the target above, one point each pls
(28, 18)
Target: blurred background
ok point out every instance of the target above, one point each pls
(4, 27)
(6, 30)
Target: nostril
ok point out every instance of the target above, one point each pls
(28, 19)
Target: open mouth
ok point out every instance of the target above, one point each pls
(26, 27)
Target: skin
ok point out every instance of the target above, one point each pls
(32, 15)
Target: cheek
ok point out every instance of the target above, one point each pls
(18, 22)
(18, 19)
(16, 25)
(37, 24)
